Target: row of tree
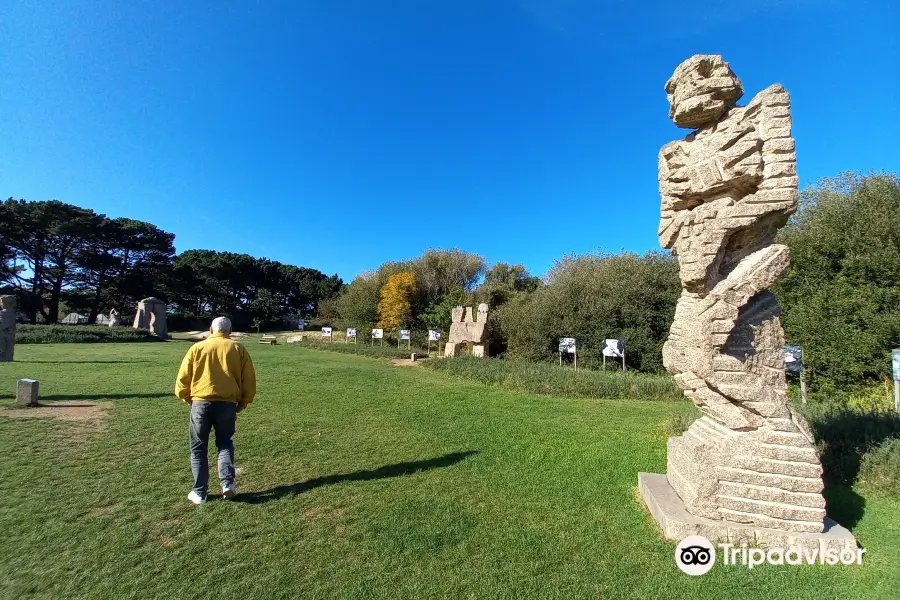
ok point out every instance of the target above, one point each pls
(55, 256)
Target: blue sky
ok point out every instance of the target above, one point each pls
(338, 134)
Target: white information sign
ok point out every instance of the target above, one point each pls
(377, 334)
(326, 332)
(351, 332)
(613, 348)
(434, 335)
(567, 345)
(404, 334)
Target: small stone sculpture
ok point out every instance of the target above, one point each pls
(151, 314)
(7, 327)
(113, 317)
(464, 328)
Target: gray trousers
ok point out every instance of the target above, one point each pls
(206, 416)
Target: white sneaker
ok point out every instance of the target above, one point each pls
(196, 498)
(229, 491)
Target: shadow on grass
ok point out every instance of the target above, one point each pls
(396, 470)
(844, 505)
(81, 362)
(101, 396)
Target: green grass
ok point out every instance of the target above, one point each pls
(361, 348)
(360, 480)
(553, 379)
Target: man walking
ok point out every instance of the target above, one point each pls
(218, 380)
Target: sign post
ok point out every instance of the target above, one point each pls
(351, 333)
(405, 335)
(378, 334)
(326, 333)
(793, 363)
(895, 369)
(433, 336)
(567, 346)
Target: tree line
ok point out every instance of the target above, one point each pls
(59, 257)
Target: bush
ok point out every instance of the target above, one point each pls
(554, 380)
(362, 349)
(844, 435)
(880, 468)
(80, 334)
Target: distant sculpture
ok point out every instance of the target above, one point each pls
(465, 328)
(113, 317)
(726, 190)
(151, 314)
(7, 327)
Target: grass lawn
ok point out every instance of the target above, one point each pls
(359, 480)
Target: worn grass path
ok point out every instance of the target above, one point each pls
(359, 480)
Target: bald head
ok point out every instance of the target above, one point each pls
(221, 325)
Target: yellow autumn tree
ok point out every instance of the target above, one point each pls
(394, 308)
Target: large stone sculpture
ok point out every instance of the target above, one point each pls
(465, 328)
(7, 327)
(151, 314)
(726, 189)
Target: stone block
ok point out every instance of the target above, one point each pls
(27, 392)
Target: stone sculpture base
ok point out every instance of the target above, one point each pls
(677, 523)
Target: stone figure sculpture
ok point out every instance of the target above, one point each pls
(726, 190)
(7, 327)
(113, 317)
(151, 314)
(465, 328)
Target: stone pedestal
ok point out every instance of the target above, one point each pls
(677, 523)
(27, 392)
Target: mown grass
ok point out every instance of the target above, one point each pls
(360, 348)
(548, 378)
(360, 480)
(80, 334)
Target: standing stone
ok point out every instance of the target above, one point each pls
(726, 190)
(7, 327)
(27, 392)
(151, 314)
(113, 317)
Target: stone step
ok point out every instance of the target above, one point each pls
(785, 438)
(788, 453)
(767, 508)
(779, 467)
(784, 482)
(771, 522)
(773, 494)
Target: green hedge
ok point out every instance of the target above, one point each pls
(80, 334)
(551, 379)
(360, 348)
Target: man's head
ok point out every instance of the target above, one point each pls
(221, 325)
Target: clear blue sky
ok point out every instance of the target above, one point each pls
(338, 134)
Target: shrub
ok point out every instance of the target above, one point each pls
(554, 380)
(361, 348)
(844, 435)
(880, 467)
(80, 334)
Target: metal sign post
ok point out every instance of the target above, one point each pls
(326, 333)
(613, 348)
(405, 334)
(567, 346)
(351, 333)
(378, 334)
(433, 336)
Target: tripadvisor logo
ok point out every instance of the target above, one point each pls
(696, 555)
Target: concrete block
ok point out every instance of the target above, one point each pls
(27, 392)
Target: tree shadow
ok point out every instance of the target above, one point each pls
(385, 472)
(101, 396)
(844, 436)
(844, 506)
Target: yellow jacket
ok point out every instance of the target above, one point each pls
(217, 369)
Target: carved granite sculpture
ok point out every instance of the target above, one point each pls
(465, 328)
(151, 314)
(113, 318)
(726, 190)
(7, 327)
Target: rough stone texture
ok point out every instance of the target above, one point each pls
(151, 314)
(726, 189)
(7, 328)
(677, 523)
(27, 392)
(465, 328)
